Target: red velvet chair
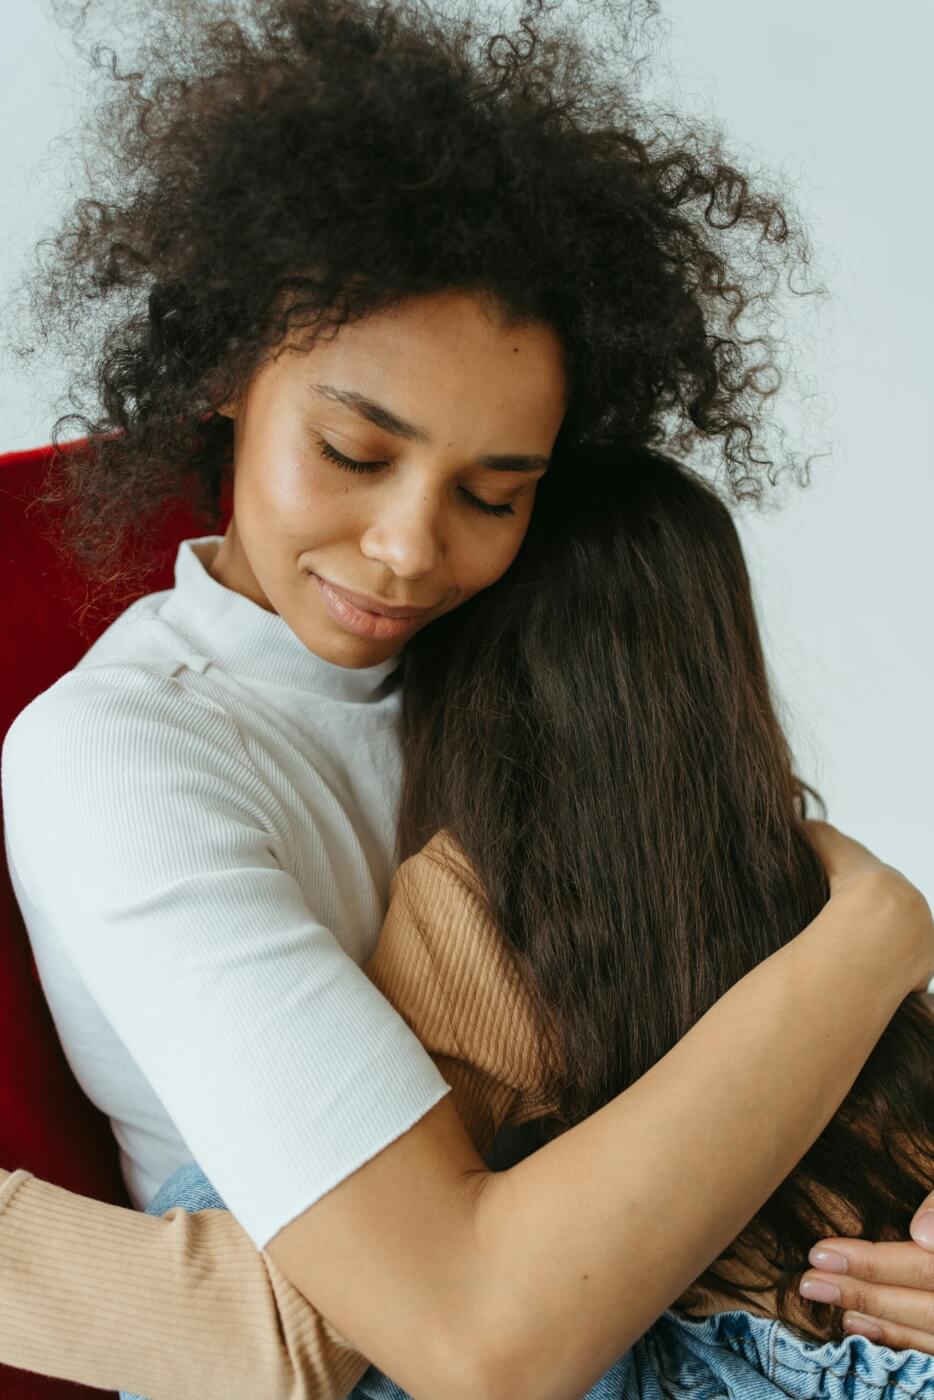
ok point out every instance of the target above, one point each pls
(46, 1123)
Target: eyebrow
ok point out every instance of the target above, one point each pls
(381, 417)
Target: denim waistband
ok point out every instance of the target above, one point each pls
(737, 1356)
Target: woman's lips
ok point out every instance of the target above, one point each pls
(363, 622)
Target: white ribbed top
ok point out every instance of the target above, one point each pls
(199, 822)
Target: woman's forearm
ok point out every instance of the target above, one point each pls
(603, 1228)
(528, 1284)
(551, 1269)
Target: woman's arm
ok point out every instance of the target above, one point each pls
(193, 1310)
(185, 1307)
(234, 1321)
(527, 1284)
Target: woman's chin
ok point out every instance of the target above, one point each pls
(335, 644)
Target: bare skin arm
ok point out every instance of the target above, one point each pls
(529, 1283)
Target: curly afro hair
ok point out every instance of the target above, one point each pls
(272, 169)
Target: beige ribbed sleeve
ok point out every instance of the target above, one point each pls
(170, 1308)
(442, 965)
(184, 1307)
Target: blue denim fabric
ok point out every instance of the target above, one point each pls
(730, 1356)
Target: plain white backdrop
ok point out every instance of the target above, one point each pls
(832, 101)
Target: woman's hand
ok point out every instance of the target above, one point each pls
(886, 1289)
(853, 869)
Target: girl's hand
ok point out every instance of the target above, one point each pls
(852, 869)
(886, 1289)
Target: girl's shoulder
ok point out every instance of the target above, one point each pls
(437, 895)
(442, 962)
(441, 869)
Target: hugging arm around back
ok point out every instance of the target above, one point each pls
(531, 1282)
(541, 1285)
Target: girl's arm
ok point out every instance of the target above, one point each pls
(177, 1308)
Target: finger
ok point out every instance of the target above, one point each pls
(922, 1226)
(904, 1264)
(888, 1334)
(912, 1308)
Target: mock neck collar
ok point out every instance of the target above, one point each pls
(246, 640)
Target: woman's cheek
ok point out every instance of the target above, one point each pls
(496, 559)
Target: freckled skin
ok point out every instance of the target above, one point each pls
(407, 533)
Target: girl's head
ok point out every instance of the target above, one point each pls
(597, 732)
(283, 185)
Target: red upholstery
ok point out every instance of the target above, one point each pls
(46, 1123)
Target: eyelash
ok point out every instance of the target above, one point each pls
(351, 465)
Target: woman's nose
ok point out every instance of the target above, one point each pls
(406, 537)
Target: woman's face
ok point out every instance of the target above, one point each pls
(452, 418)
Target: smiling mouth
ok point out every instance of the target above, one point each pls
(363, 620)
(374, 605)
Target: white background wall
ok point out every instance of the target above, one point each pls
(833, 99)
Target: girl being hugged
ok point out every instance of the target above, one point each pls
(414, 292)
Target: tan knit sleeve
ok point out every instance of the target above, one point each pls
(179, 1307)
(184, 1307)
(441, 962)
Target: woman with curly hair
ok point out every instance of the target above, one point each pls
(427, 305)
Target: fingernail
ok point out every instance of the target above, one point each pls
(828, 1259)
(819, 1291)
(863, 1325)
(922, 1229)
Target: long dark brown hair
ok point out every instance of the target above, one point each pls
(597, 732)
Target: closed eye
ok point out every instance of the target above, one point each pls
(351, 464)
(348, 462)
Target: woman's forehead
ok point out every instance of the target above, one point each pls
(427, 366)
